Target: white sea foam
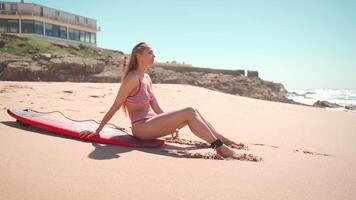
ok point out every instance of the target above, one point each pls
(342, 97)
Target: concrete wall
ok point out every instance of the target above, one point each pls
(188, 67)
(178, 68)
(252, 74)
(173, 64)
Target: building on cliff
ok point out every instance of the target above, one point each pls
(49, 23)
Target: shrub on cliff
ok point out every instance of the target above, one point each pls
(34, 46)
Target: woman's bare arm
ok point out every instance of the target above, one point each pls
(155, 106)
(154, 103)
(128, 85)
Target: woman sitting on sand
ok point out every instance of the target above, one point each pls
(136, 96)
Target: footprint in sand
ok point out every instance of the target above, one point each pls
(19, 86)
(312, 153)
(211, 156)
(239, 146)
(266, 145)
(97, 96)
(65, 99)
(68, 91)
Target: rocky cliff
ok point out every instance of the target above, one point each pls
(24, 59)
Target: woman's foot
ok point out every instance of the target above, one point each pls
(233, 144)
(226, 152)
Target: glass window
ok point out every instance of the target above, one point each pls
(2, 6)
(49, 28)
(63, 32)
(86, 20)
(13, 26)
(76, 35)
(13, 6)
(77, 19)
(73, 34)
(3, 25)
(39, 27)
(93, 38)
(82, 36)
(28, 26)
(56, 13)
(87, 37)
(70, 34)
(41, 11)
(55, 31)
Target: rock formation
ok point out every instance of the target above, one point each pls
(35, 65)
(326, 104)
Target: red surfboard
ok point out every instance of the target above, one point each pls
(64, 126)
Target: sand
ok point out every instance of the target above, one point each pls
(307, 152)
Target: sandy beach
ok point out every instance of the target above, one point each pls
(307, 152)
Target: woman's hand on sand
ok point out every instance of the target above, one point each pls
(88, 133)
(175, 134)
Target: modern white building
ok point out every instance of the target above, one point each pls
(53, 24)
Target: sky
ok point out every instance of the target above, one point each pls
(303, 44)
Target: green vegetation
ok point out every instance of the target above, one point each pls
(34, 45)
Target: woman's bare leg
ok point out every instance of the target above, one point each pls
(216, 133)
(166, 123)
(225, 140)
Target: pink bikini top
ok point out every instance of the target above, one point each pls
(142, 96)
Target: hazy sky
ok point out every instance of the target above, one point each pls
(303, 44)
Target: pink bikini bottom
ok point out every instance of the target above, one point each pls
(142, 117)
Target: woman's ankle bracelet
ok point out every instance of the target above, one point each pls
(216, 144)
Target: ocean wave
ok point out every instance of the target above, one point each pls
(343, 97)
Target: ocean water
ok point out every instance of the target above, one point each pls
(342, 97)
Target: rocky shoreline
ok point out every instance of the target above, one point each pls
(323, 103)
(34, 65)
(52, 67)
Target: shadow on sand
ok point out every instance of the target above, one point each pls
(105, 152)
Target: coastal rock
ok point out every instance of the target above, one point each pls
(72, 64)
(53, 61)
(75, 47)
(221, 80)
(326, 104)
(23, 71)
(60, 44)
(8, 58)
(46, 67)
(93, 66)
(350, 107)
(45, 56)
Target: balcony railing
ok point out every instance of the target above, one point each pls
(37, 13)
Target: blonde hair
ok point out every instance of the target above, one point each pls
(133, 63)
